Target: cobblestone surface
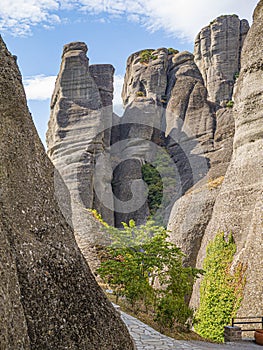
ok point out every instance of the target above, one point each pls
(146, 338)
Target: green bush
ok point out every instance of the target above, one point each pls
(140, 94)
(220, 291)
(172, 51)
(139, 257)
(155, 187)
(146, 56)
(230, 104)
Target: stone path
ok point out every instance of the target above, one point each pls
(146, 338)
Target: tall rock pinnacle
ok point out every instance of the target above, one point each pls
(217, 55)
(79, 132)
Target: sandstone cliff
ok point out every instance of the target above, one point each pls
(49, 298)
(238, 207)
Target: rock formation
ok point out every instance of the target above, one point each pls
(211, 127)
(168, 109)
(217, 55)
(78, 134)
(49, 298)
(144, 85)
(238, 207)
(181, 105)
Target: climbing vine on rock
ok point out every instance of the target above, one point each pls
(221, 290)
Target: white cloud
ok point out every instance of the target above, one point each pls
(20, 15)
(117, 100)
(177, 17)
(39, 87)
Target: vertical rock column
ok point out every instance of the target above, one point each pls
(81, 111)
(204, 124)
(144, 85)
(217, 55)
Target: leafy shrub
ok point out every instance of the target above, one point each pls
(230, 104)
(139, 257)
(154, 182)
(160, 177)
(146, 56)
(140, 94)
(220, 291)
(172, 51)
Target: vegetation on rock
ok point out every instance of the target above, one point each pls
(146, 56)
(140, 94)
(221, 290)
(154, 182)
(230, 104)
(215, 183)
(172, 51)
(160, 179)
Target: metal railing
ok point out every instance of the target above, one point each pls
(258, 320)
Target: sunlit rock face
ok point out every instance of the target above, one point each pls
(184, 104)
(78, 134)
(238, 207)
(217, 54)
(49, 297)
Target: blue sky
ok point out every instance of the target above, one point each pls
(36, 30)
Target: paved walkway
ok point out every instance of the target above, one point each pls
(146, 338)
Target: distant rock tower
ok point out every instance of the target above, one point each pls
(79, 132)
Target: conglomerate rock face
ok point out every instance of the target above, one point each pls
(167, 107)
(201, 145)
(78, 134)
(177, 104)
(49, 297)
(238, 207)
(217, 55)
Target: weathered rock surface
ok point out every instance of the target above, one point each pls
(49, 298)
(78, 134)
(238, 207)
(196, 133)
(208, 128)
(148, 77)
(205, 173)
(217, 55)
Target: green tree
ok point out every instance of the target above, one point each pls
(145, 268)
(159, 176)
(221, 290)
